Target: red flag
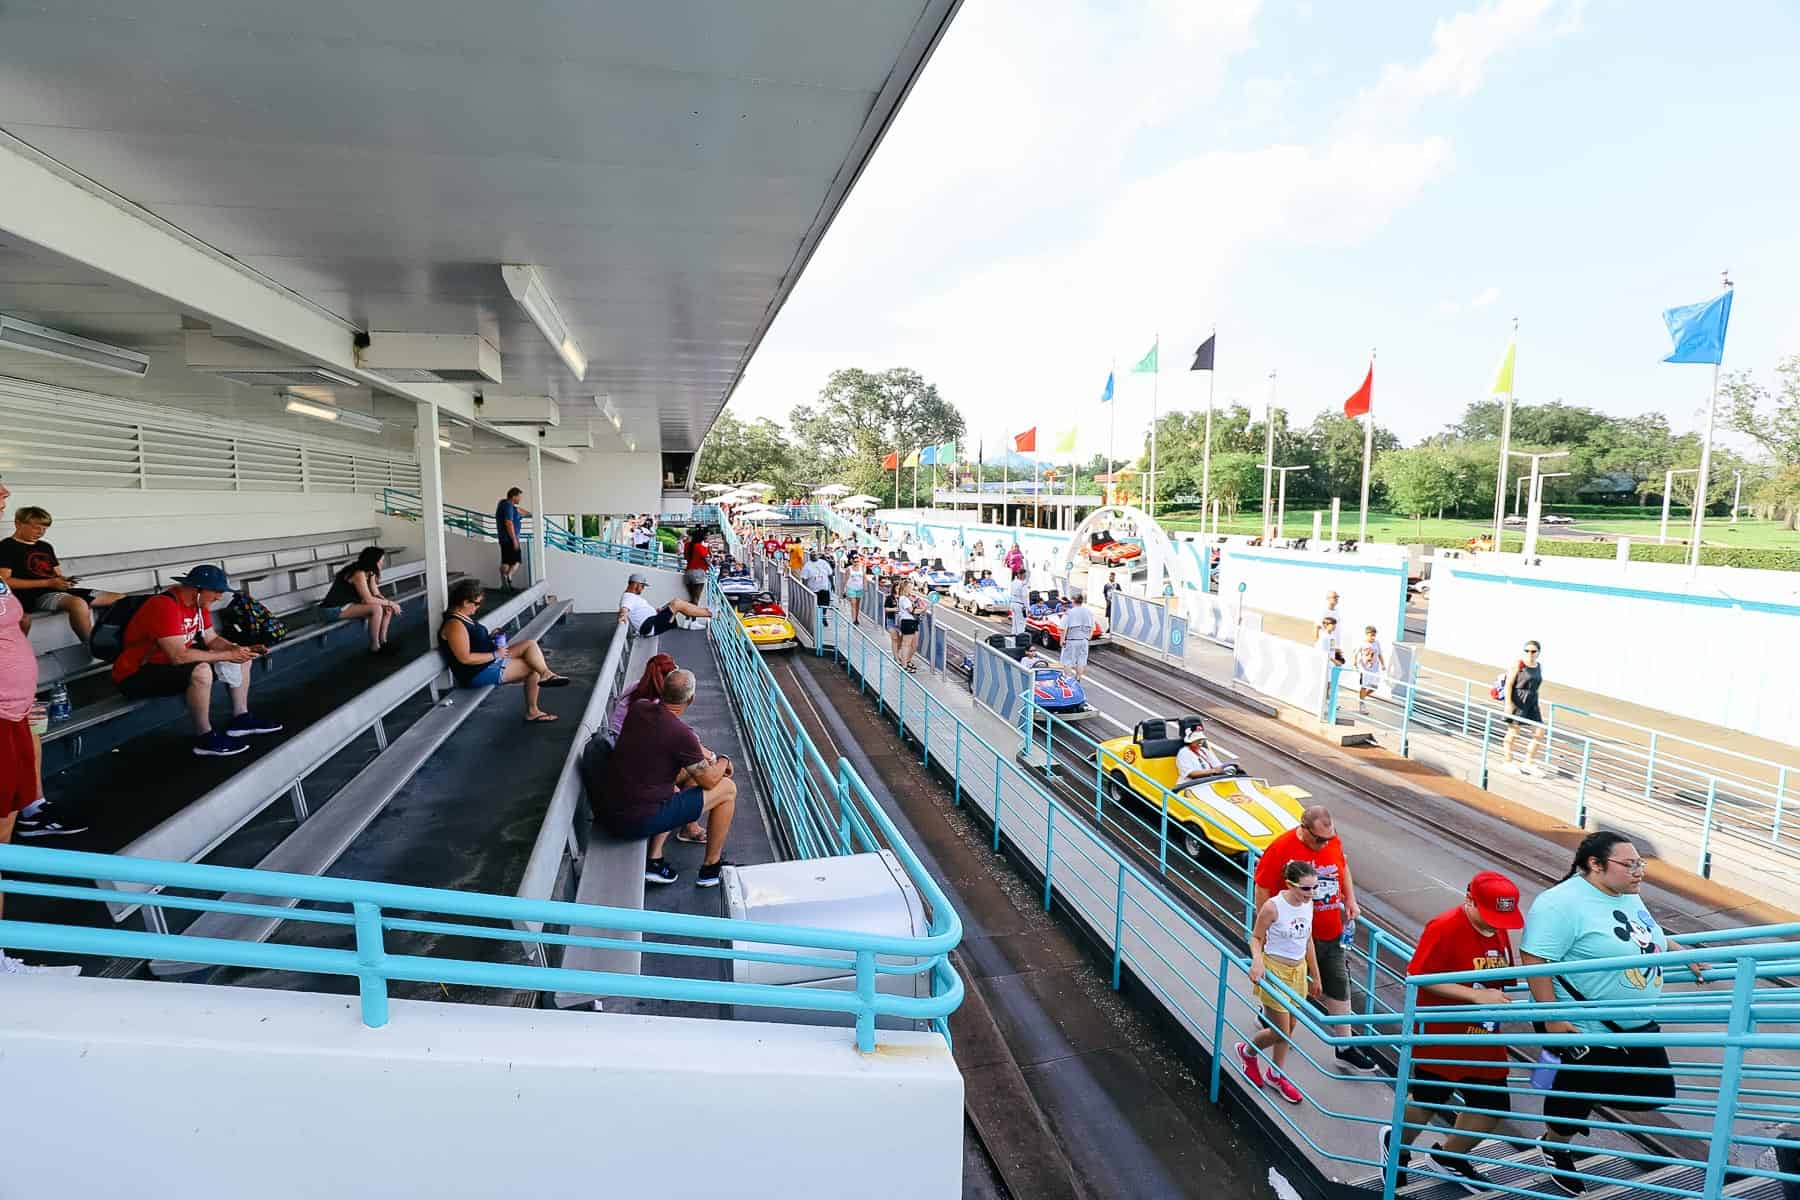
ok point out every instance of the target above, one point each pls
(891, 462)
(1358, 404)
(1026, 441)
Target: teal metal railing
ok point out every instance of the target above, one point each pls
(1735, 1069)
(472, 523)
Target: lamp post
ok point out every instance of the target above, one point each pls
(1537, 493)
(1662, 532)
(1737, 490)
(1281, 504)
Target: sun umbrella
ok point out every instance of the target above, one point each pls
(861, 498)
(858, 502)
(832, 489)
(719, 487)
(753, 486)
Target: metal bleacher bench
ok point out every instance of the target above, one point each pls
(324, 835)
(290, 575)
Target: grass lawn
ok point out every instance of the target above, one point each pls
(1639, 524)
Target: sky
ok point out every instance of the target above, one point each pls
(1070, 181)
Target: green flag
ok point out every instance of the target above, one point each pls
(1147, 364)
(946, 452)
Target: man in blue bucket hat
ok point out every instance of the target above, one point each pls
(170, 649)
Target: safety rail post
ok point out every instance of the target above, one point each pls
(1412, 690)
(1118, 926)
(1739, 1024)
(1390, 1169)
(1467, 684)
(1587, 753)
(371, 982)
(925, 733)
(1250, 890)
(1650, 767)
(865, 992)
(1218, 1037)
(1549, 733)
(1099, 785)
(1374, 968)
(956, 766)
(1703, 868)
(1331, 696)
(1780, 791)
(843, 799)
(1162, 837)
(1487, 735)
(900, 713)
(997, 804)
(1049, 851)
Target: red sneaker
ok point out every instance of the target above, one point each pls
(1251, 1063)
(1288, 1091)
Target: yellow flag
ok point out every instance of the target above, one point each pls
(1065, 441)
(911, 460)
(1503, 378)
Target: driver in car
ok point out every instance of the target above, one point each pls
(1196, 759)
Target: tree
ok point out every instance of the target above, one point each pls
(1778, 430)
(862, 416)
(1334, 446)
(1235, 475)
(1420, 481)
(735, 452)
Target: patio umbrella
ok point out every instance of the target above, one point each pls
(719, 487)
(832, 489)
(753, 486)
(861, 498)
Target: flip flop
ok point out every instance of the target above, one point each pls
(543, 716)
(681, 836)
(556, 681)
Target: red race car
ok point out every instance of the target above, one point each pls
(1105, 548)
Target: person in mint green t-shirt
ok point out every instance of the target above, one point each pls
(1597, 913)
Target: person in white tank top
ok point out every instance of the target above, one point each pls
(1281, 946)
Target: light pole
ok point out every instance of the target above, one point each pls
(1662, 533)
(1281, 504)
(1518, 495)
(1537, 493)
(1737, 490)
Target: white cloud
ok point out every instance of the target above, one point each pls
(1484, 298)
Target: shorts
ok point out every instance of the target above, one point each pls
(49, 600)
(1289, 972)
(889, 619)
(490, 675)
(658, 623)
(1653, 1088)
(683, 808)
(1074, 653)
(909, 627)
(823, 596)
(1522, 713)
(157, 679)
(1371, 680)
(694, 577)
(510, 554)
(1428, 1087)
(1334, 975)
(332, 612)
(18, 767)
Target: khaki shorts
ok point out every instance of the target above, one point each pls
(1289, 972)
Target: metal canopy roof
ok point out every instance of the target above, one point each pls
(669, 167)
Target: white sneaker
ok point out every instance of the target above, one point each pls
(1514, 767)
(1527, 769)
(12, 966)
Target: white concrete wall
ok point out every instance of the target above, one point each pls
(1371, 586)
(207, 1092)
(599, 483)
(1724, 649)
(110, 522)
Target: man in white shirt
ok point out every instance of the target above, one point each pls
(815, 576)
(638, 617)
(1078, 628)
(1016, 601)
(1196, 758)
(1331, 610)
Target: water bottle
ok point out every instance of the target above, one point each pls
(500, 644)
(59, 703)
(1543, 1076)
(1348, 940)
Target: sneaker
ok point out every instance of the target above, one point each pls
(1512, 767)
(1252, 1066)
(12, 966)
(249, 724)
(217, 745)
(709, 873)
(1527, 769)
(1288, 1091)
(1383, 1137)
(658, 870)
(1561, 1160)
(1464, 1173)
(45, 825)
(1356, 1058)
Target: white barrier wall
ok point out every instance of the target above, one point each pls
(115, 521)
(599, 483)
(219, 1092)
(1370, 583)
(1724, 649)
(1284, 670)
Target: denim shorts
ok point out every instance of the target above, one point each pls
(683, 808)
(489, 676)
(331, 612)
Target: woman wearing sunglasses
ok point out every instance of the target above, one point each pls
(1281, 945)
(1521, 700)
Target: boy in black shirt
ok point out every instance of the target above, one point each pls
(30, 567)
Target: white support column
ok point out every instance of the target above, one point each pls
(431, 515)
(540, 540)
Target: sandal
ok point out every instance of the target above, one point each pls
(681, 836)
(556, 681)
(543, 716)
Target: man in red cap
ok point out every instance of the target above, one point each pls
(1470, 937)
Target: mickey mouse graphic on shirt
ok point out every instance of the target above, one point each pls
(1646, 937)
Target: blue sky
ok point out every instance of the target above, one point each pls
(1318, 179)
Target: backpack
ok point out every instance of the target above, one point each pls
(248, 622)
(106, 641)
(1498, 690)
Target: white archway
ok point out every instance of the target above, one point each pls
(1162, 563)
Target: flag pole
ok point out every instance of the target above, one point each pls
(1206, 449)
(1505, 443)
(1362, 532)
(1155, 397)
(1112, 434)
(1005, 479)
(1700, 480)
(1268, 457)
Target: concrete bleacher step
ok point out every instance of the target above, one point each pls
(326, 834)
(612, 874)
(1523, 1169)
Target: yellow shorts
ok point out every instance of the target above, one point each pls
(1291, 973)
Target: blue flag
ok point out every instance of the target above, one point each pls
(1698, 330)
(928, 456)
(1106, 396)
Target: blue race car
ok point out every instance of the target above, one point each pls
(1053, 690)
(938, 577)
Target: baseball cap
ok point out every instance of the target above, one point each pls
(206, 577)
(636, 577)
(1195, 733)
(1497, 900)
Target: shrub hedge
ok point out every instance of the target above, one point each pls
(1750, 558)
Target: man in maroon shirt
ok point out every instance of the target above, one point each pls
(660, 778)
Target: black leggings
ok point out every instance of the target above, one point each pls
(1655, 1090)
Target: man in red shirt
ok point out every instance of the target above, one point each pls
(1315, 840)
(1470, 937)
(170, 649)
(695, 575)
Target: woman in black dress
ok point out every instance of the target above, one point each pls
(1521, 698)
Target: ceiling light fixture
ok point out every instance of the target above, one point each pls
(54, 343)
(527, 287)
(342, 416)
(445, 443)
(611, 411)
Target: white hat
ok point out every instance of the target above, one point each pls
(1194, 734)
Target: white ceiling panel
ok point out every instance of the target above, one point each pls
(668, 166)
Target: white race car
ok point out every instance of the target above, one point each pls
(982, 594)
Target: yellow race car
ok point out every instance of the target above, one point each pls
(1227, 810)
(765, 621)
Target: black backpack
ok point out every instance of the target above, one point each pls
(107, 639)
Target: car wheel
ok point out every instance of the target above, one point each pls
(1193, 844)
(1118, 791)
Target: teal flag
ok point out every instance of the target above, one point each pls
(946, 452)
(1698, 330)
(1147, 364)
